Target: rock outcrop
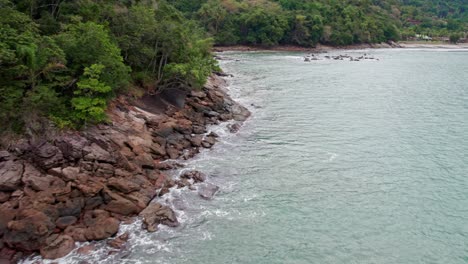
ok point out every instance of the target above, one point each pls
(79, 186)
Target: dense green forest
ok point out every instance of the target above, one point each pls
(63, 60)
(333, 22)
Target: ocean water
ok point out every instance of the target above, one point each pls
(341, 162)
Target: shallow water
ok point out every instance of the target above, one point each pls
(341, 162)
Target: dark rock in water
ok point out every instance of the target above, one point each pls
(207, 190)
(156, 214)
(57, 246)
(119, 242)
(234, 128)
(10, 175)
(197, 176)
(65, 221)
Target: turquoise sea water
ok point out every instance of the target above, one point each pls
(341, 162)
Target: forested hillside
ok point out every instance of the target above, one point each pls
(334, 22)
(63, 60)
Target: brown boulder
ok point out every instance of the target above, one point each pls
(65, 221)
(120, 205)
(119, 242)
(156, 214)
(197, 176)
(10, 175)
(57, 246)
(28, 233)
(71, 146)
(102, 229)
(123, 185)
(47, 156)
(95, 153)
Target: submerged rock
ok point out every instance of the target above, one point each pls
(57, 246)
(207, 190)
(156, 214)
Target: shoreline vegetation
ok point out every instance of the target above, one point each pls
(324, 48)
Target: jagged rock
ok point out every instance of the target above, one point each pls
(240, 113)
(123, 185)
(39, 183)
(10, 175)
(156, 214)
(95, 152)
(184, 126)
(197, 176)
(120, 205)
(29, 231)
(104, 170)
(65, 221)
(57, 246)
(199, 130)
(71, 146)
(103, 228)
(71, 207)
(198, 94)
(158, 150)
(196, 140)
(4, 196)
(119, 242)
(47, 156)
(234, 128)
(90, 188)
(165, 129)
(207, 190)
(172, 152)
(4, 155)
(145, 161)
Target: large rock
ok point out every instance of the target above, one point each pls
(4, 155)
(120, 205)
(123, 185)
(196, 176)
(47, 156)
(29, 232)
(95, 153)
(207, 190)
(57, 246)
(71, 146)
(102, 229)
(156, 214)
(10, 175)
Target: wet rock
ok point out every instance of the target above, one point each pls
(196, 176)
(240, 113)
(123, 185)
(207, 190)
(119, 242)
(85, 250)
(10, 175)
(196, 140)
(102, 229)
(199, 130)
(156, 214)
(208, 142)
(234, 128)
(65, 221)
(57, 246)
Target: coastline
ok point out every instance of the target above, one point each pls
(325, 48)
(80, 186)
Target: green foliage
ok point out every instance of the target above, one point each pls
(65, 60)
(90, 97)
(90, 43)
(454, 38)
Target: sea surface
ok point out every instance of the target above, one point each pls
(341, 162)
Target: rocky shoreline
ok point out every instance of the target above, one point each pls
(79, 186)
